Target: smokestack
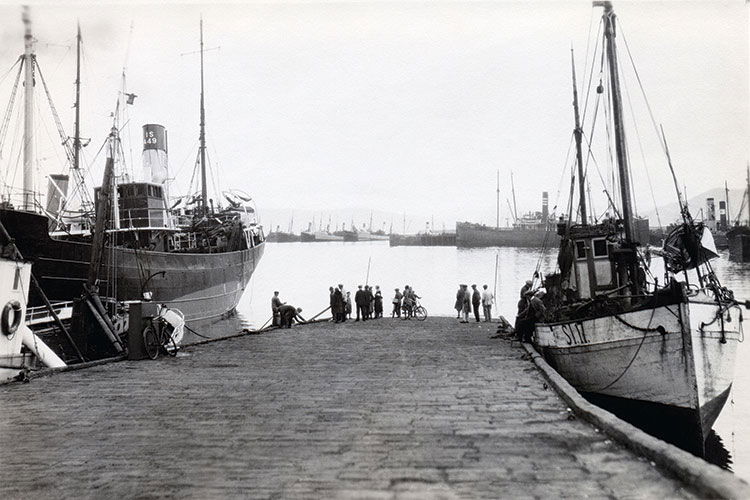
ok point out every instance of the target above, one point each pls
(711, 214)
(155, 153)
(545, 206)
(723, 214)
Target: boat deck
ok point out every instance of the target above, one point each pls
(381, 409)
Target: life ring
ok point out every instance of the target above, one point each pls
(7, 327)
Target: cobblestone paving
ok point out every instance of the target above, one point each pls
(381, 409)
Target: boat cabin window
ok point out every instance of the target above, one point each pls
(600, 248)
(580, 249)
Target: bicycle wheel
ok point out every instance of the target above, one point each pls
(170, 345)
(421, 313)
(150, 342)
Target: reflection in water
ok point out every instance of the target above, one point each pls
(716, 452)
(302, 272)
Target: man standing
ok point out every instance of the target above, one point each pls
(476, 300)
(275, 304)
(337, 306)
(396, 304)
(487, 298)
(360, 300)
(466, 304)
(369, 302)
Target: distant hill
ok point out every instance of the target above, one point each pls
(670, 212)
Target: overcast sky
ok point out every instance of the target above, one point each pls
(402, 106)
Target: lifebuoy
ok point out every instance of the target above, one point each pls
(8, 327)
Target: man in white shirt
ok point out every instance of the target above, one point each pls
(487, 299)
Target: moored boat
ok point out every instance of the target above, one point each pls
(613, 331)
(197, 259)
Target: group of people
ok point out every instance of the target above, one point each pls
(531, 310)
(367, 300)
(405, 301)
(284, 314)
(467, 300)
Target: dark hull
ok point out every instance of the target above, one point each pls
(282, 238)
(475, 235)
(683, 427)
(424, 240)
(201, 285)
(739, 244)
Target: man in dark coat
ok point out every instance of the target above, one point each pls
(370, 301)
(289, 313)
(476, 301)
(360, 299)
(275, 304)
(337, 306)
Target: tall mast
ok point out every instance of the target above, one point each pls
(726, 208)
(622, 160)
(28, 110)
(578, 132)
(204, 193)
(748, 195)
(77, 136)
(513, 190)
(497, 225)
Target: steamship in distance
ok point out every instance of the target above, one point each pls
(532, 230)
(197, 258)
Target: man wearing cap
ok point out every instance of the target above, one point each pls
(275, 304)
(360, 300)
(288, 314)
(487, 299)
(476, 300)
(396, 304)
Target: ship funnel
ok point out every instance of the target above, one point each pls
(711, 213)
(723, 214)
(155, 153)
(545, 206)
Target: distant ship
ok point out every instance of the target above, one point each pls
(198, 259)
(738, 237)
(533, 230)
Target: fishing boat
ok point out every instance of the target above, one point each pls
(20, 348)
(197, 258)
(665, 352)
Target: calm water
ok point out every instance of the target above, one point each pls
(302, 273)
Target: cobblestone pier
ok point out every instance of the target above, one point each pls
(380, 409)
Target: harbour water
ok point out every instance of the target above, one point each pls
(302, 273)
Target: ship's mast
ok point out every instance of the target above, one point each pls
(28, 121)
(497, 192)
(77, 136)
(726, 208)
(578, 132)
(748, 195)
(204, 193)
(513, 190)
(614, 80)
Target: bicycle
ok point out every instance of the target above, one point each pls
(417, 311)
(158, 337)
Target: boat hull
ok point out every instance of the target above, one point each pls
(738, 240)
(674, 359)
(201, 285)
(470, 235)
